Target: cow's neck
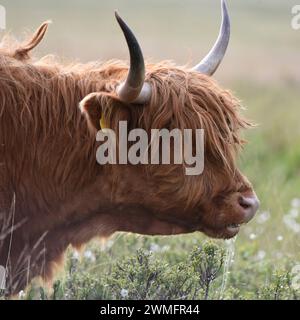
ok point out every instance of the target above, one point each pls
(48, 165)
(49, 151)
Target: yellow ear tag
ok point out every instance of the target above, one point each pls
(102, 123)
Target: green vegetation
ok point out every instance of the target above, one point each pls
(177, 270)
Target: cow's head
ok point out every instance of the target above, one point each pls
(162, 199)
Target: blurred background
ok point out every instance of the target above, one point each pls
(262, 67)
(263, 47)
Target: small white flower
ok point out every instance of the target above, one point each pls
(261, 255)
(279, 238)
(295, 203)
(154, 247)
(291, 223)
(263, 217)
(76, 255)
(124, 293)
(89, 255)
(21, 294)
(253, 236)
(294, 213)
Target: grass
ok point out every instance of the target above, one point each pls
(261, 70)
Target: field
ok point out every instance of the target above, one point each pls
(262, 67)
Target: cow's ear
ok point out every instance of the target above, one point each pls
(22, 52)
(100, 108)
(91, 107)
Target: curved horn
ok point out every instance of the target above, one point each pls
(213, 59)
(133, 90)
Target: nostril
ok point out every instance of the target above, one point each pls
(249, 203)
(244, 203)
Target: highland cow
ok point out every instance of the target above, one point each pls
(54, 194)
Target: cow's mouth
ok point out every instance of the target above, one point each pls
(230, 224)
(168, 226)
(173, 227)
(223, 231)
(226, 232)
(234, 227)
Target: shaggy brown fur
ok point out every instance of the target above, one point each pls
(53, 193)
